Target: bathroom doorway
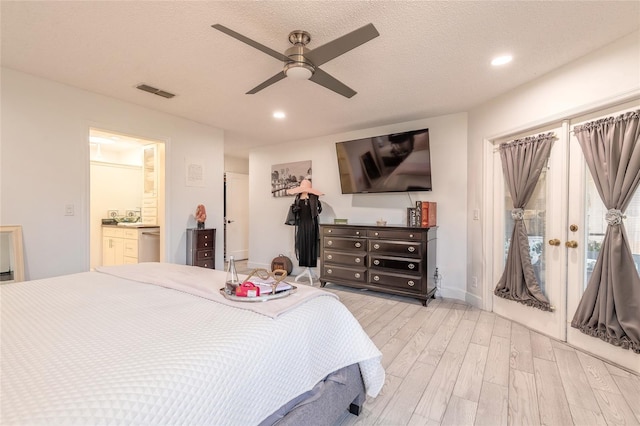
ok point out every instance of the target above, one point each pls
(126, 187)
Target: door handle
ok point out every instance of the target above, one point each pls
(554, 242)
(571, 244)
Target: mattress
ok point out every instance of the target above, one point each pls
(99, 348)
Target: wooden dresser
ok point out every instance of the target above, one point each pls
(391, 259)
(201, 247)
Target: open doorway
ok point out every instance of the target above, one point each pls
(126, 199)
(236, 215)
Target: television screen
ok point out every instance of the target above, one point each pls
(390, 163)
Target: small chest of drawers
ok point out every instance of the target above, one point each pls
(397, 260)
(201, 247)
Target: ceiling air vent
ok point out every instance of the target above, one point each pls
(155, 91)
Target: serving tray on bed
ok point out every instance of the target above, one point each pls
(264, 278)
(266, 297)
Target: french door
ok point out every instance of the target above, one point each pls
(565, 224)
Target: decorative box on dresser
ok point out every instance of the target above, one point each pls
(201, 247)
(391, 259)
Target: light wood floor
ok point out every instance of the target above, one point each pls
(453, 364)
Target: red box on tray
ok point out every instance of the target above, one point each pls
(248, 289)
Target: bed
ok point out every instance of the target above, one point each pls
(156, 343)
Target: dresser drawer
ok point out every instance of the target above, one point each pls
(113, 232)
(398, 264)
(345, 243)
(342, 258)
(344, 232)
(204, 254)
(344, 273)
(400, 248)
(402, 235)
(205, 239)
(402, 282)
(205, 263)
(131, 234)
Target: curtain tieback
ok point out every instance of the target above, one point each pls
(517, 214)
(614, 217)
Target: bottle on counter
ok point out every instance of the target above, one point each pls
(232, 281)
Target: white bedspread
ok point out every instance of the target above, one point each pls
(92, 349)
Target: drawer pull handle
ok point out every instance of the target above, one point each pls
(329, 231)
(410, 235)
(357, 232)
(411, 283)
(329, 257)
(411, 249)
(357, 275)
(206, 244)
(206, 254)
(206, 236)
(411, 266)
(376, 262)
(329, 271)
(358, 244)
(376, 246)
(376, 278)
(358, 260)
(376, 234)
(329, 243)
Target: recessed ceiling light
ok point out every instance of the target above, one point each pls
(501, 60)
(279, 115)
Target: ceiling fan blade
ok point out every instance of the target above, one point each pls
(337, 47)
(323, 79)
(250, 42)
(267, 83)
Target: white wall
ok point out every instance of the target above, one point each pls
(611, 72)
(45, 166)
(268, 236)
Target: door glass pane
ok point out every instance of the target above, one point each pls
(535, 222)
(597, 225)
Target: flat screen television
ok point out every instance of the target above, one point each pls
(398, 162)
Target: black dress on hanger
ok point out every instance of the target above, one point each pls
(307, 231)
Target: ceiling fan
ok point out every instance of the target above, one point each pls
(303, 63)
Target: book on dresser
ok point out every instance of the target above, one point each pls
(391, 259)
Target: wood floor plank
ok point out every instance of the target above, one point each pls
(372, 408)
(403, 362)
(502, 327)
(470, 377)
(483, 331)
(574, 381)
(441, 338)
(615, 409)
(402, 404)
(597, 373)
(523, 399)
(521, 356)
(492, 405)
(552, 402)
(390, 312)
(497, 367)
(462, 336)
(415, 323)
(436, 396)
(541, 346)
(629, 387)
(584, 417)
(391, 350)
(460, 412)
(388, 331)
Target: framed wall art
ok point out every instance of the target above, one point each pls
(288, 175)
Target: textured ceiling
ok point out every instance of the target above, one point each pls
(431, 58)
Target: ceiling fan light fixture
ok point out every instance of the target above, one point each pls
(298, 70)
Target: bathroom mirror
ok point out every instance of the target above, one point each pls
(11, 260)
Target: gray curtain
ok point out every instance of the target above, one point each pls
(610, 305)
(522, 163)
